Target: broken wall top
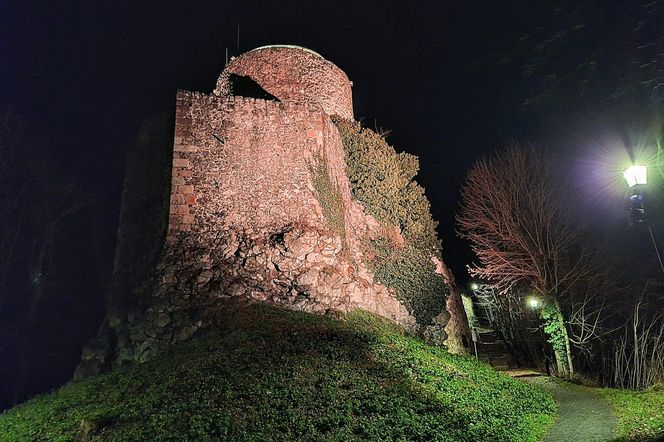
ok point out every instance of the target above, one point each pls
(292, 74)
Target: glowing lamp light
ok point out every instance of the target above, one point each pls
(533, 303)
(636, 175)
(474, 286)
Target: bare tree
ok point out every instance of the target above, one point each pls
(638, 355)
(510, 216)
(510, 316)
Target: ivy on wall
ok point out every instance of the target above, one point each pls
(383, 181)
(329, 196)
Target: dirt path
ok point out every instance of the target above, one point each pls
(583, 416)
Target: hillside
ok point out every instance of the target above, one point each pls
(270, 374)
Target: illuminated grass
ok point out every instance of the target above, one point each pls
(268, 374)
(640, 413)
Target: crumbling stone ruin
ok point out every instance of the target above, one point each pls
(260, 206)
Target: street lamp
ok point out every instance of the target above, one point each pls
(533, 302)
(537, 303)
(636, 175)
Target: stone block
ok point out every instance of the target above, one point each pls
(181, 162)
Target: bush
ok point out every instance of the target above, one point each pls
(383, 181)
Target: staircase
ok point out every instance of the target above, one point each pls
(493, 350)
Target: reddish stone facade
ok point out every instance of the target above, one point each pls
(244, 162)
(294, 75)
(261, 208)
(243, 174)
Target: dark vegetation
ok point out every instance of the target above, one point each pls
(278, 375)
(144, 211)
(383, 181)
(46, 237)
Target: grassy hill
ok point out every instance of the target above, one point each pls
(269, 374)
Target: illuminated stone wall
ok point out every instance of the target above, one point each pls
(293, 74)
(260, 210)
(244, 173)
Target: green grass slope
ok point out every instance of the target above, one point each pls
(269, 374)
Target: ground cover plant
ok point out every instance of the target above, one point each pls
(640, 413)
(384, 182)
(270, 374)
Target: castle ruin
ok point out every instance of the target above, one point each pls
(251, 217)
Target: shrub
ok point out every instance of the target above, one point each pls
(383, 181)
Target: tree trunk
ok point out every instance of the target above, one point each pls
(555, 328)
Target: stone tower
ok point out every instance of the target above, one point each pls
(244, 175)
(260, 206)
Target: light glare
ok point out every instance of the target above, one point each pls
(636, 175)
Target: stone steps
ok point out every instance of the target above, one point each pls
(494, 351)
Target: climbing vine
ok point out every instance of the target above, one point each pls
(554, 327)
(383, 181)
(329, 196)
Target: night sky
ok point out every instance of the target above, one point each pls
(85, 75)
(88, 74)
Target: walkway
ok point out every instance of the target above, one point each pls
(583, 415)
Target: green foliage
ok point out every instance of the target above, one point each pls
(329, 196)
(410, 271)
(382, 180)
(640, 413)
(553, 326)
(269, 374)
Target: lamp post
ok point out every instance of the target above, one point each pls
(637, 177)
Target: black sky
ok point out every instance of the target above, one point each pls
(88, 73)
